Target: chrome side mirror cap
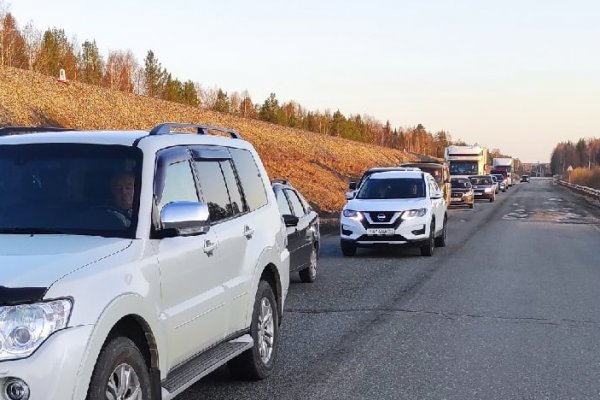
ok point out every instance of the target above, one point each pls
(185, 218)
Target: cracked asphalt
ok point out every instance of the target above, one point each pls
(508, 310)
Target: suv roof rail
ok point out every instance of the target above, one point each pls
(165, 129)
(10, 130)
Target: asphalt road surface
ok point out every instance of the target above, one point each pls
(510, 309)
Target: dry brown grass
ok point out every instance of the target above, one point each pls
(586, 177)
(319, 166)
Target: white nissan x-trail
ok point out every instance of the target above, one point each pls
(134, 263)
(395, 208)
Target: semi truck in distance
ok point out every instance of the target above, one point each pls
(466, 160)
(504, 166)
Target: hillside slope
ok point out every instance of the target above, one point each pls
(317, 165)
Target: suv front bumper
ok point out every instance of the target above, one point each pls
(409, 232)
(52, 372)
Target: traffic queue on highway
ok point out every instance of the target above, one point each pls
(407, 205)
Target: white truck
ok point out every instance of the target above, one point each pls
(504, 166)
(466, 160)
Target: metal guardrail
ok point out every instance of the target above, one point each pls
(582, 189)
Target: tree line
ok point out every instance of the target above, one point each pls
(50, 51)
(585, 153)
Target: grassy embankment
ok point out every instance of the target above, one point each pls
(319, 166)
(586, 177)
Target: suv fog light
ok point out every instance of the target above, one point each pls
(346, 231)
(16, 389)
(419, 231)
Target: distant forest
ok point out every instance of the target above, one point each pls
(49, 51)
(583, 154)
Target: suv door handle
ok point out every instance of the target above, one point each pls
(248, 232)
(209, 247)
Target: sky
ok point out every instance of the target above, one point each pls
(520, 76)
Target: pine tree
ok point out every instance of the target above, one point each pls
(91, 65)
(222, 103)
(154, 75)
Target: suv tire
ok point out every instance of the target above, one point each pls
(120, 357)
(257, 363)
(427, 249)
(440, 241)
(348, 249)
(309, 274)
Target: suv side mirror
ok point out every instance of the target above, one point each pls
(352, 185)
(350, 195)
(437, 195)
(290, 220)
(184, 218)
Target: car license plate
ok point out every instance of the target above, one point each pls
(380, 231)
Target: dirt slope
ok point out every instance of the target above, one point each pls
(317, 165)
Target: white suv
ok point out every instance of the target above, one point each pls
(134, 263)
(395, 208)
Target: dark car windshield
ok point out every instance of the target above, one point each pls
(69, 188)
(481, 180)
(463, 167)
(392, 188)
(499, 177)
(460, 184)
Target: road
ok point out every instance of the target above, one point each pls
(508, 310)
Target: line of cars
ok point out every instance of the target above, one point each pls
(167, 255)
(466, 190)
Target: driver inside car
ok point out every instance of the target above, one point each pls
(122, 188)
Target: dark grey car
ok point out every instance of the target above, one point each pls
(302, 224)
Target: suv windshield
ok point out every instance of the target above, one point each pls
(77, 189)
(392, 188)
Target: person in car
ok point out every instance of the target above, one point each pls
(122, 187)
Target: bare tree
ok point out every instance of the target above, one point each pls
(235, 101)
(33, 41)
(120, 71)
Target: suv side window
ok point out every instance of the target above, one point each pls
(296, 203)
(235, 192)
(179, 184)
(214, 189)
(252, 183)
(282, 203)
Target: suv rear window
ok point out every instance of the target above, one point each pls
(252, 183)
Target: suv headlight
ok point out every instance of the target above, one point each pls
(23, 328)
(352, 214)
(414, 213)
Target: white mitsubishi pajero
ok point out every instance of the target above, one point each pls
(132, 264)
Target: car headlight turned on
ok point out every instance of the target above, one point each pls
(23, 328)
(414, 213)
(352, 214)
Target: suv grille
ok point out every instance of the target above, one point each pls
(381, 216)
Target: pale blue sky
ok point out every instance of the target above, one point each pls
(517, 75)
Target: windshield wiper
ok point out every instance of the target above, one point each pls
(33, 231)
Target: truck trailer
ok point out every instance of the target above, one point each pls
(504, 166)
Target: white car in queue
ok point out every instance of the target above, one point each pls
(404, 208)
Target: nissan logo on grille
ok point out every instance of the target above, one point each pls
(381, 217)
